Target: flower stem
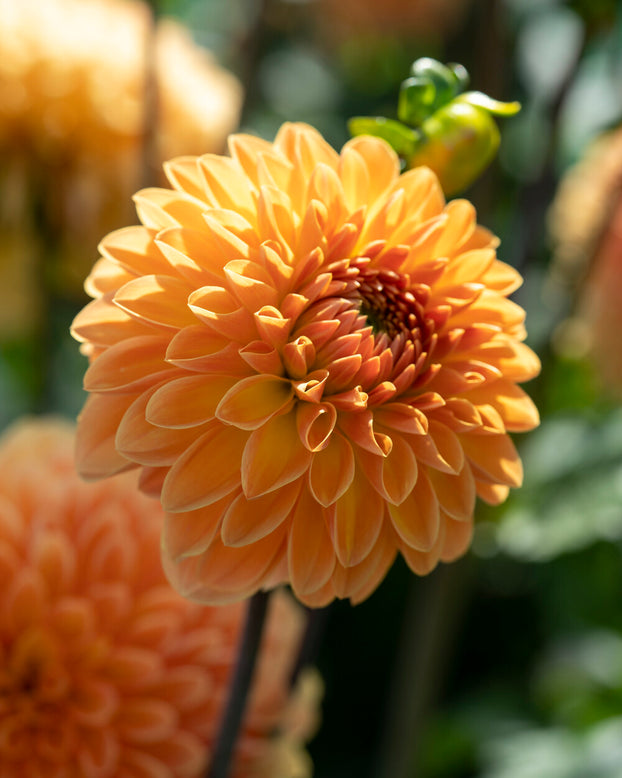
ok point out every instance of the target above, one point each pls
(240, 684)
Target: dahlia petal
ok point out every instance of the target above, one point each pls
(515, 407)
(96, 453)
(273, 456)
(192, 254)
(427, 452)
(159, 300)
(332, 470)
(456, 493)
(208, 469)
(74, 619)
(423, 562)
(458, 227)
(128, 366)
(447, 444)
(354, 176)
(258, 159)
(416, 520)
(274, 219)
(232, 571)
(93, 702)
(187, 686)
(495, 456)
(102, 323)
(298, 355)
(251, 284)
(503, 278)
(272, 326)
(134, 249)
(231, 236)
(98, 751)
(151, 479)
(516, 361)
(358, 580)
(185, 176)
(393, 476)
(316, 422)
(133, 669)
(142, 442)
(226, 185)
(251, 402)
(189, 533)
(383, 166)
(182, 753)
(325, 187)
(247, 521)
(161, 208)
(106, 276)
(55, 560)
(458, 536)
(199, 349)
(221, 312)
(359, 427)
(493, 494)
(139, 764)
(459, 414)
(263, 358)
(492, 309)
(187, 401)
(310, 553)
(402, 417)
(145, 720)
(355, 521)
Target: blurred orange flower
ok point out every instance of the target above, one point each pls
(105, 670)
(313, 361)
(586, 227)
(74, 89)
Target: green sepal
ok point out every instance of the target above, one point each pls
(496, 107)
(401, 138)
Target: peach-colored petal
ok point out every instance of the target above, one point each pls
(129, 366)
(249, 403)
(332, 470)
(208, 469)
(273, 456)
(416, 519)
(191, 532)
(456, 493)
(159, 300)
(393, 476)
(96, 452)
(310, 552)
(246, 521)
(355, 520)
(494, 456)
(187, 401)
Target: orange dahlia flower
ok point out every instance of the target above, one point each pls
(105, 671)
(312, 359)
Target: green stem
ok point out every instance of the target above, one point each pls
(240, 684)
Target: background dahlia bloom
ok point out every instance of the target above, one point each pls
(585, 222)
(105, 671)
(312, 360)
(74, 85)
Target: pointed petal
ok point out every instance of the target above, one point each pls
(332, 470)
(458, 536)
(96, 452)
(160, 300)
(208, 470)
(191, 532)
(130, 365)
(187, 401)
(355, 520)
(456, 493)
(247, 521)
(393, 476)
(416, 520)
(273, 456)
(310, 553)
(495, 456)
(252, 401)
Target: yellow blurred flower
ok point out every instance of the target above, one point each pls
(74, 79)
(314, 362)
(104, 669)
(585, 223)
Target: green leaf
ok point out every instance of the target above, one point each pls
(401, 138)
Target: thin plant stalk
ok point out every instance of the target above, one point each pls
(240, 684)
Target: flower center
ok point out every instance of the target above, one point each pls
(388, 299)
